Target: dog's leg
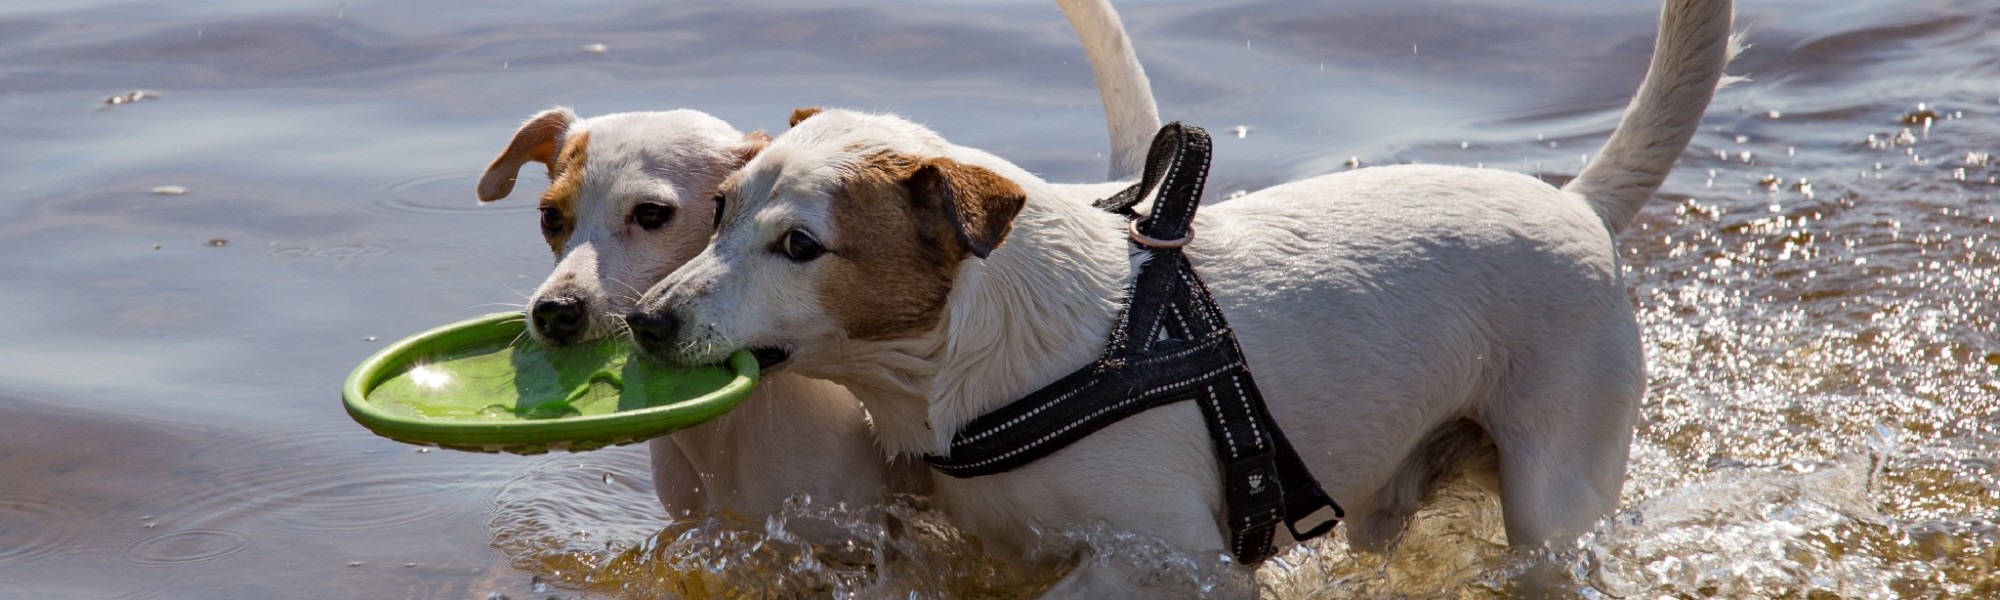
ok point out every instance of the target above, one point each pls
(1563, 427)
(1457, 447)
(674, 479)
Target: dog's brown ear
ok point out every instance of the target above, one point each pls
(803, 113)
(748, 148)
(980, 205)
(537, 141)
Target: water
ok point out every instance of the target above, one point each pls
(1817, 283)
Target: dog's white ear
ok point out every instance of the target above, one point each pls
(803, 113)
(538, 140)
(980, 205)
(750, 145)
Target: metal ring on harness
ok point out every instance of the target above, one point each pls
(1149, 242)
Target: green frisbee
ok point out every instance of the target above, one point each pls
(484, 385)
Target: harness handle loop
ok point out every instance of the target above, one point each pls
(1177, 149)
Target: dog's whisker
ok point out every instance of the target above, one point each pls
(510, 288)
(635, 291)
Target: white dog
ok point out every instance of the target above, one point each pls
(1405, 322)
(631, 199)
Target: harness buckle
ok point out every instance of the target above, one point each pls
(1132, 226)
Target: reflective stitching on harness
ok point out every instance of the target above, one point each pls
(1017, 420)
(1100, 411)
(1245, 399)
(1227, 437)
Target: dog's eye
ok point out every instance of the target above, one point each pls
(552, 220)
(800, 246)
(720, 203)
(652, 215)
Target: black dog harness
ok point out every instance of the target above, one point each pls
(1170, 345)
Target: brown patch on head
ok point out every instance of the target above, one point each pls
(538, 140)
(752, 143)
(901, 242)
(803, 113)
(565, 181)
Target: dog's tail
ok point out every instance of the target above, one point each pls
(1129, 111)
(1688, 58)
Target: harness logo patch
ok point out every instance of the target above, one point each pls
(1256, 482)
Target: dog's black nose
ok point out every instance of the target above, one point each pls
(559, 319)
(653, 331)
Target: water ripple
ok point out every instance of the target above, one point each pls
(350, 251)
(447, 193)
(185, 547)
(33, 528)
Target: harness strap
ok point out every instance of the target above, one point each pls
(1170, 344)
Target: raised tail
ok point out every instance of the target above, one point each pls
(1129, 111)
(1688, 58)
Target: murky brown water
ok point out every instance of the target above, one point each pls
(1818, 287)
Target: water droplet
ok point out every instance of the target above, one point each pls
(1775, 114)
(596, 48)
(1742, 139)
(130, 97)
(1241, 131)
(170, 190)
(217, 243)
(608, 479)
(368, 338)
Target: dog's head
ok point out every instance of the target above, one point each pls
(630, 199)
(850, 227)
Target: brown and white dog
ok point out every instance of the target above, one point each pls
(631, 198)
(1405, 322)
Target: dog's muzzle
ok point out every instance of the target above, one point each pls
(653, 332)
(559, 320)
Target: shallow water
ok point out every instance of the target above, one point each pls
(1817, 282)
